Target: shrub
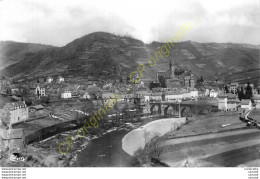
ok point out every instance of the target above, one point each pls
(45, 99)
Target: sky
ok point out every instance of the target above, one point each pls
(58, 22)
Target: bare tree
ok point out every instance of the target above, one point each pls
(156, 150)
(5, 117)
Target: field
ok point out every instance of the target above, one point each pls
(206, 142)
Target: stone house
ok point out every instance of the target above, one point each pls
(18, 111)
(246, 104)
(222, 103)
(13, 139)
(256, 99)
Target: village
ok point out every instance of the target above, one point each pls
(31, 105)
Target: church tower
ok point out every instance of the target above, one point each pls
(172, 69)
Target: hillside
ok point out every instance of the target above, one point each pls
(105, 56)
(13, 52)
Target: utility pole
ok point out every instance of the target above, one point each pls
(179, 101)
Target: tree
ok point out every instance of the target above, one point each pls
(162, 82)
(156, 150)
(178, 71)
(226, 89)
(201, 79)
(240, 93)
(154, 85)
(5, 117)
(28, 101)
(249, 92)
(45, 99)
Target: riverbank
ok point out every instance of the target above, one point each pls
(137, 138)
(45, 153)
(211, 142)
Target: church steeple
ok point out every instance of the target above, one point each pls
(172, 69)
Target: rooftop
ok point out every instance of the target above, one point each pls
(12, 106)
(245, 101)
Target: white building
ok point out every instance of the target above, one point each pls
(173, 96)
(60, 79)
(147, 97)
(49, 79)
(39, 91)
(222, 103)
(194, 93)
(213, 93)
(66, 94)
(246, 104)
(256, 99)
(156, 96)
(186, 95)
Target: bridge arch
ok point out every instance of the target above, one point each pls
(186, 112)
(170, 110)
(155, 109)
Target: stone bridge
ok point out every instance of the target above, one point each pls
(186, 108)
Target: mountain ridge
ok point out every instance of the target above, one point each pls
(105, 56)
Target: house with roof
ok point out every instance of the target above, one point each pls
(60, 79)
(140, 94)
(66, 94)
(213, 93)
(38, 107)
(147, 97)
(233, 87)
(206, 92)
(15, 91)
(127, 97)
(232, 105)
(86, 95)
(186, 95)
(222, 102)
(18, 111)
(156, 96)
(173, 95)
(39, 91)
(108, 97)
(246, 104)
(49, 79)
(194, 93)
(228, 102)
(256, 99)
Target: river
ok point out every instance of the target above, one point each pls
(105, 151)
